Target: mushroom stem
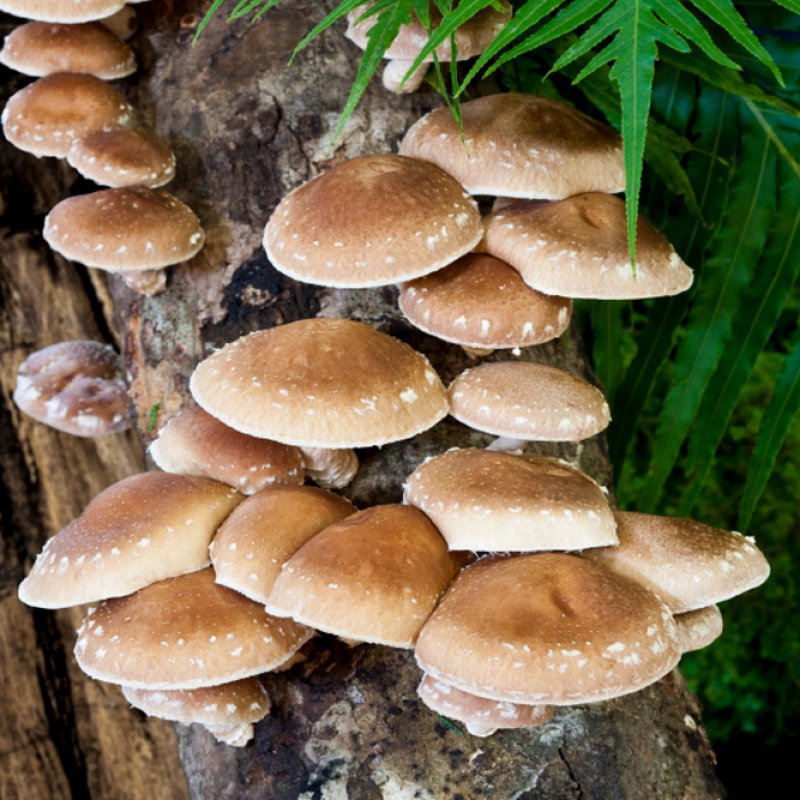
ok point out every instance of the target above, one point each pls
(480, 730)
(507, 444)
(234, 735)
(396, 70)
(148, 281)
(477, 352)
(330, 469)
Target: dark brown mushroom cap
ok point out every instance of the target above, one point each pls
(519, 145)
(480, 301)
(184, 633)
(372, 221)
(71, 11)
(544, 629)
(77, 387)
(698, 629)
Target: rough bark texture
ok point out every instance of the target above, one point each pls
(346, 723)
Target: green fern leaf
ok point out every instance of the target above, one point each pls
(401, 7)
(607, 325)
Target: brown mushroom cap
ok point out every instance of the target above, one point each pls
(46, 116)
(373, 577)
(698, 629)
(266, 530)
(41, 48)
(195, 443)
(518, 145)
(488, 501)
(689, 565)
(77, 387)
(482, 302)
(71, 11)
(529, 401)
(184, 633)
(132, 228)
(321, 383)
(372, 221)
(544, 629)
(579, 248)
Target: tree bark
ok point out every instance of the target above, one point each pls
(345, 723)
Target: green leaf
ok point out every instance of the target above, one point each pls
(207, 18)
(606, 317)
(342, 10)
(792, 5)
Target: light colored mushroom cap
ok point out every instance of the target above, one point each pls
(523, 400)
(71, 11)
(689, 565)
(372, 221)
(120, 230)
(579, 248)
(184, 633)
(698, 629)
(140, 530)
(483, 500)
(266, 530)
(373, 577)
(41, 48)
(482, 302)
(548, 628)
(519, 145)
(77, 387)
(122, 157)
(321, 383)
(330, 469)
(195, 443)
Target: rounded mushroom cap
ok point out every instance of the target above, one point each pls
(184, 633)
(579, 248)
(698, 629)
(46, 116)
(139, 530)
(321, 383)
(519, 145)
(372, 221)
(373, 577)
(77, 387)
(41, 48)
(195, 443)
(689, 565)
(71, 11)
(529, 401)
(545, 629)
(482, 302)
(260, 536)
(122, 157)
(119, 230)
(483, 500)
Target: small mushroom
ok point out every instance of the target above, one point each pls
(330, 469)
(698, 629)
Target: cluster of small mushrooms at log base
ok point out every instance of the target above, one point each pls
(134, 228)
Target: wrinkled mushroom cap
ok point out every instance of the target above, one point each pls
(71, 11)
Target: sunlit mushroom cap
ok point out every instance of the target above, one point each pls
(524, 400)
(139, 530)
(689, 565)
(698, 629)
(61, 10)
(544, 629)
(77, 387)
(479, 301)
(489, 501)
(519, 145)
(372, 221)
(184, 633)
(46, 116)
(321, 383)
(121, 230)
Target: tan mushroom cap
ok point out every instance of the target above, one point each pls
(139, 530)
(71, 11)
(122, 157)
(481, 715)
(579, 248)
(119, 230)
(689, 565)
(46, 116)
(548, 628)
(265, 531)
(529, 401)
(77, 387)
(321, 383)
(482, 302)
(372, 221)
(698, 629)
(184, 633)
(41, 48)
(483, 500)
(519, 145)
(373, 577)
(195, 443)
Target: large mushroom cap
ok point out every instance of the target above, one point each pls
(372, 221)
(518, 145)
(321, 383)
(71, 11)
(544, 629)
